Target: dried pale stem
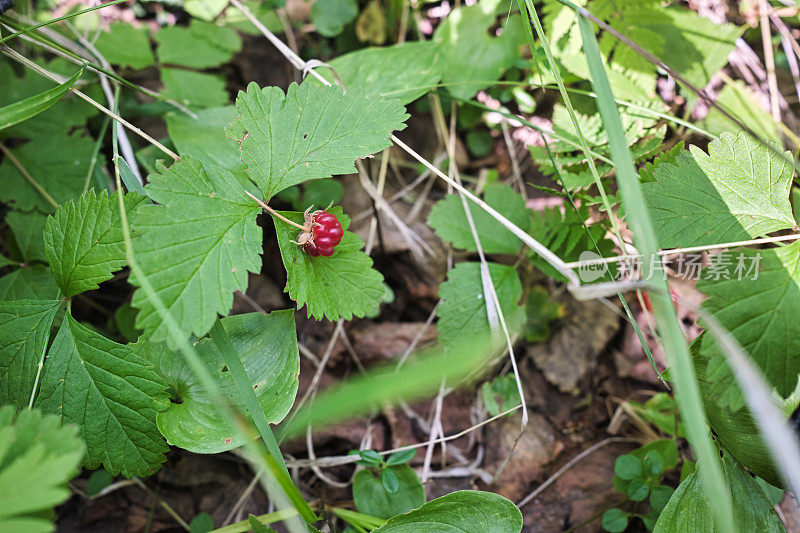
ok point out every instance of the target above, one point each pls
(275, 213)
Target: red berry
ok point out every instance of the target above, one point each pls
(324, 242)
(325, 252)
(325, 218)
(336, 233)
(310, 249)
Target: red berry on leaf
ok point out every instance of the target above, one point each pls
(322, 232)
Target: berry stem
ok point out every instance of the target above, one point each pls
(275, 213)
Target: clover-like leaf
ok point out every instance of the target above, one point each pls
(372, 498)
(196, 248)
(113, 396)
(37, 457)
(462, 311)
(24, 332)
(83, 240)
(343, 285)
(739, 190)
(449, 220)
(310, 132)
(755, 294)
(267, 346)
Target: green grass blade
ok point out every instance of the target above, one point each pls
(59, 19)
(687, 391)
(32, 106)
(220, 338)
(285, 491)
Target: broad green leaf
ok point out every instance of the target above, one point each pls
(628, 467)
(28, 228)
(403, 72)
(740, 101)
(449, 221)
(373, 499)
(83, 240)
(457, 512)
(615, 520)
(37, 457)
(60, 168)
(126, 46)
(29, 283)
(196, 247)
(205, 9)
(200, 45)
(689, 508)
(760, 313)
(739, 190)
(113, 396)
(500, 394)
(331, 16)
(33, 105)
(24, 332)
(204, 138)
(737, 430)
(693, 45)
(267, 346)
(310, 132)
(194, 89)
(470, 58)
(462, 311)
(343, 285)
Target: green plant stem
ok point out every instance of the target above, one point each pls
(25, 174)
(358, 519)
(59, 19)
(223, 343)
(95, 153)
(266, 519)
(672, 337)
(279, 484)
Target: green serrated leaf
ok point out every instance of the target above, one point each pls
(28, 228)
(331, 16)
(83, 240)
(311, 132)
(372, 498)
(196, 247)
(24, 332)
(402, 72)
(194, 89)
(200, 45)
(471, 59)
(690, 509)
(267, 346)
(449, 220)
(341, 286)
(204, 138)
(111, 393)
(755, 294)
(30, 283)
(60, 168)
(37, 457)
(126, 46)
(463, 510)
(739, 190)
(462, 311)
